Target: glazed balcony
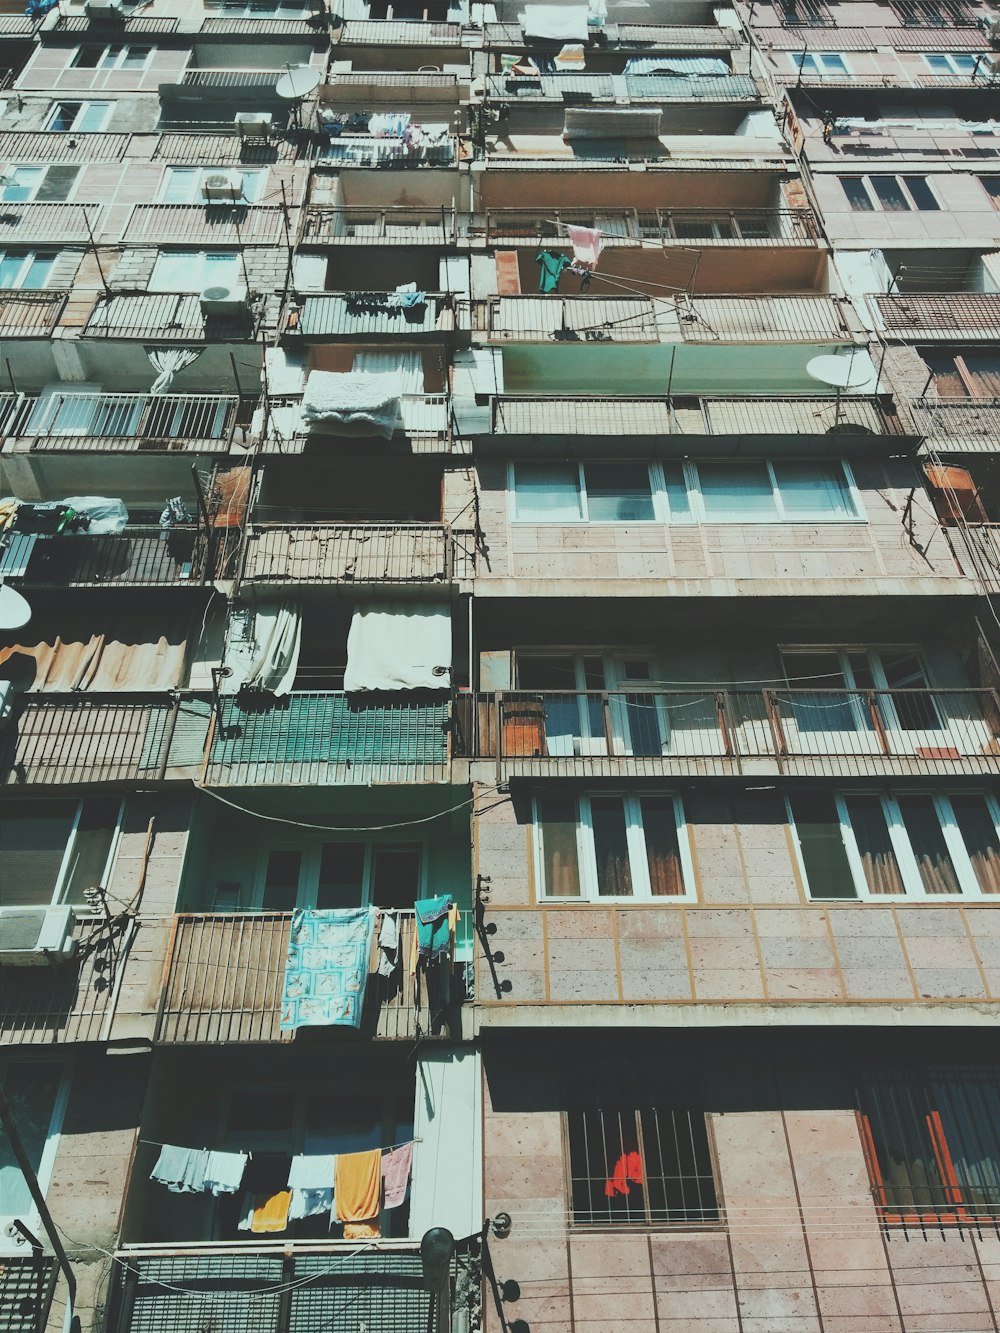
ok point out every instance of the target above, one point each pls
(329, 224)
(969, 425)
(224, 974)
(330, 738)
(940, 315)
(629, 227)
(119, 422)
(30, 314)
(430, 555)
(142, 556)
(713, 732)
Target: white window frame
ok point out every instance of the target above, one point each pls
(197, 175)
(197, 260)
(114, 57)
(876, 203)
(819, 59)
(696, 503)
(27, 260)
(86, 106)
(953, 59)
(265, 10)
(10, 173)
(311, 855)
(638, 861)
(22, 1055)
(914, 890)
(62, 876)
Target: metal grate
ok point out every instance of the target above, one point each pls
(375, 1291)
(225, 1293)
(26, 1288)
(935, 13)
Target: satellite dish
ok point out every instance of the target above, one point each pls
(14, 610)
(298, 83)
(839, 371)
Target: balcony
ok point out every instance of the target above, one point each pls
(328, 224)
(966, 425)
(142, 556)
(766, 733)
(651, 38)
(424, 420)
(412, 554)
(73, 1002)
(398, 33)
(578, 89)
(942, 315)
(224, 976)
(368, 314)
(224, 83)
(30, 314)
(119, 422)
(325, 738)
(630, 228)
(201, 224)
(52, 739)
(174, 316)
(49, 224)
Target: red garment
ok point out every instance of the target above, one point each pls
(628, 1169)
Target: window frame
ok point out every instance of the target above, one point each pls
(60, 886)
(114, 56)
(200, 259)
(84, 107)
(28, 259)
(951, 59)
(992, 195)
(913, 888)
(800, 61)
(198, 174)
(637, 854)
(875, 200)
(696, 509)
(310, 864)
(11, 1055)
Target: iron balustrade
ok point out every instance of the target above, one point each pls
(142, 555)
(30, 314)
(420, 553)
(940, 314)
(331, 224)
(229, 78)
(958, 419)
(119, 421)
(630, 226)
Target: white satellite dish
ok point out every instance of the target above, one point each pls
(14, 610)
(298, 83)
(839, 371)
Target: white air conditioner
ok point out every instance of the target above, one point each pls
(993, 29)
(224, 300)
(222, 187)
(103, 11)
(253, 124)
(34, 936)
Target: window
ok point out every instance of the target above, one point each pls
(24, 270)
(183, 185)
(51, 184)
(639, 1151)
(877, 690)
(79, 117)
(872, 845)
(260, 9)
(991, 184)
(112, 57)
(793, 490)
(890, 194)
(934, 13)
(805, 13)
(194, 270)
(601, 846)
(945, 62)
(931, 1139)
(966, 374)
(818, 63)
(36, 1092)
(52, 851)
(338, 874)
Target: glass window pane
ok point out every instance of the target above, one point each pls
(10, 271)
(180, 185)
(614, 874)
(618, 492)
(37, 274)
(814, 490)
(33, 838)
(88, 57)
(91, 848)
(65, 115)
(921, 194)
(395, 876)
(547, 493)
(30, 1087)
(979, 833)
(177, 272)
(733, 492)
(677, 493)
(817, 823)
(557, 824)
(22, 183)
(93, 117)
(937, 870)
(281, 882)
(135, 57)
(938, 64)
(659, 827)
(341, 875)
(871, 831)
(890, 194)
(857, 196)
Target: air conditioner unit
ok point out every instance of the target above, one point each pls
(224, 300)
(103, 11)
(253, 124)
(34, 936)
(993, 29)
(222, 187)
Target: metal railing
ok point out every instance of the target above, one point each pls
(167, 315)
(629, 226)
(236, 223)
(119, 422)
(649, 731)
(225, 971)
(40, 223)
(959, 422)
(422, 416)
(69, 1003)
(398, 32)
(26, 314)
(229, 78)
(632, 87)
(941, 314)
(330, 224)
(141, 556)
(356, 553)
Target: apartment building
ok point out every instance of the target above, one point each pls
(537, 459)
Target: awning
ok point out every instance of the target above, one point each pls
(399, 646)
(262, 651)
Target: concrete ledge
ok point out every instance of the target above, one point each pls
(514, 1014)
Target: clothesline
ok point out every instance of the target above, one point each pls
(156, 1143)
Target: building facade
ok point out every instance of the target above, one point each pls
(528, 457)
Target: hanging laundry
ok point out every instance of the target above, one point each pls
(269, 1212)
(362, 1231)
(552, 266)
(586, 243)
(433, 934)
(628, 1170)
(182, 1170)
(224, 1172)
(397, 1164)
(357, 1191)
(388, 945)
(327, 968)
(175, 511)
(389, 125)
(310, 1178)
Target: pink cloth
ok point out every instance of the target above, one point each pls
(396, 1165)
(586, 245)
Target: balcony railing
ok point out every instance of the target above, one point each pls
(167, 315)
(579, 88)
(970, 424)
(425, 418)
(358, 553)
(651, 37)
(675, 226)
(944, 315)
(142, 556)
(28, 314)
(42, 223)
(209, 224)
(103, 738)
(228, 80)
(656, 732)
(119, 422)
(224, 976)
(74, 1002)
(367, 313)
(335, 225)
(328, 738)
(398, 32)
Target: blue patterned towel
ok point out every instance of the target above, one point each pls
(326, 971)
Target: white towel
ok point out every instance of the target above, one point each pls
(312, 1171)
(224, 1172)
(309, 1203)
(182, 1170)
(352, 403)
(388, 945)
(558, 23)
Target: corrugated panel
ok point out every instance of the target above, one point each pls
(818, 39)
(329, 316)
(31, 146)
(678, 88)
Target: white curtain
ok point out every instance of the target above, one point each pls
(168, 361)
(408, 366)
(264, 655)
(558, 23)
(399, 646)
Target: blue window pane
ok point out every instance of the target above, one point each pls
(736, 491)
(814, 490)
(549, 493)
(677, 493)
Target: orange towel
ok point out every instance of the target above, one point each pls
(361, 1231)
(357, 1187)
(271, 1213)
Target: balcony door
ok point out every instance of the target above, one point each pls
(335, 875)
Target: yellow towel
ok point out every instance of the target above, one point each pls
(358, 1185)
(271, 1212)
(361, 1231)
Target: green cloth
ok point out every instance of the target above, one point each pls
(552, 267)
(433, 936)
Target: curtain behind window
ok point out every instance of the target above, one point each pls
(979, 834)
(878, 859)
(934, 862)
(557, 819)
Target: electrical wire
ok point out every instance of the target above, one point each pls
(344, 828)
